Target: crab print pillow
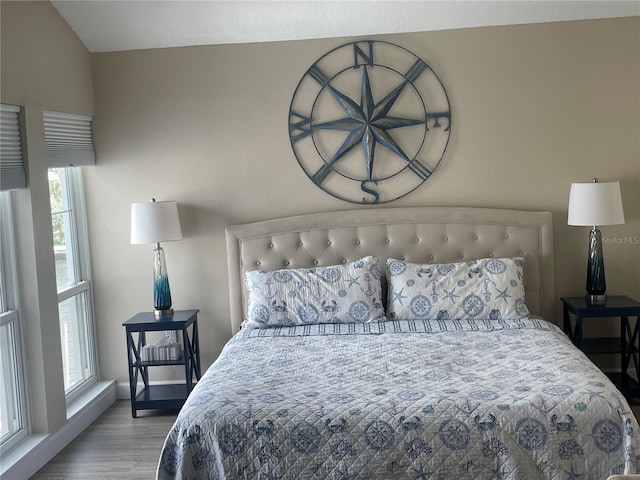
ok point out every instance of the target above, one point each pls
(336, 294)
(487, 288)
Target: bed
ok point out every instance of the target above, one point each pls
(399, 343)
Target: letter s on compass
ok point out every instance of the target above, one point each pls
(365, 189)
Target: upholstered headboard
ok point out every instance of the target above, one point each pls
(414, 234)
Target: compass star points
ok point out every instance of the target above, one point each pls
(346, 127)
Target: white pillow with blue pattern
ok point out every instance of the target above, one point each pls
(335, 294)
(488, 288)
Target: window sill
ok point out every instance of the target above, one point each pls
(33, 453)
(20, 453)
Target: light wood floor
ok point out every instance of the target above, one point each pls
(115, 446)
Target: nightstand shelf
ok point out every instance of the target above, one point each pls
(627, 345)
(161, 397)
(169, 396)
(625, 381)
(159, 363)
(604, 345)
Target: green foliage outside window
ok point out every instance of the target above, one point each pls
(57, 217)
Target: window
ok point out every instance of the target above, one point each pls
(14, 413)
(73, 281)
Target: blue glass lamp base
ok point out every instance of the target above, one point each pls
(596, 283)
(161, 290)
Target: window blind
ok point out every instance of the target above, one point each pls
(12, 172)
(69, 139)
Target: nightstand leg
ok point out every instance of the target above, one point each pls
(132, 355)
(631, 340)
(577, 332)
(567, 323)
(195, 342)
(188, 358)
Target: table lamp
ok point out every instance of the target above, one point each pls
(592, 204)
(155, 222)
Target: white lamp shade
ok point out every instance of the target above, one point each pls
(595, 203)
(154, 222)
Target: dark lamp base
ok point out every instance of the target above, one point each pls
(162, 313)
(596, 299)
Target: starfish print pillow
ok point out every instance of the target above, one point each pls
(489, 288)
(349, 293)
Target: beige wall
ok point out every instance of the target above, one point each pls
(535, 108)
(44, 65)
(43, 62)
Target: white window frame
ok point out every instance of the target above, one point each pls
(72, 183)
(10, 317)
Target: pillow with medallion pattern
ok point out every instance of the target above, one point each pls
(334, 294)
(487, 288)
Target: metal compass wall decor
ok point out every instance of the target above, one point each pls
(369, 122)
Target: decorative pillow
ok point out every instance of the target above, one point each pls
(336, 294)
(488, 288)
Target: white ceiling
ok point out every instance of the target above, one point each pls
(114, 25)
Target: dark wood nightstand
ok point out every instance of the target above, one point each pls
(627, 345)
(163, 397)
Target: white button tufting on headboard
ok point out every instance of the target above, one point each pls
(415, 234)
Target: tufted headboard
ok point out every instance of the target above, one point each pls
(413, 234)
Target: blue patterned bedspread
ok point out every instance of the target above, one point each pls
(475, 400)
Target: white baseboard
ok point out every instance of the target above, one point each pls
(38, 449)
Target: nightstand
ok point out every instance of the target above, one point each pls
(170, 396)
(627, 345)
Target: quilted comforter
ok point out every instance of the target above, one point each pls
(490, 399)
